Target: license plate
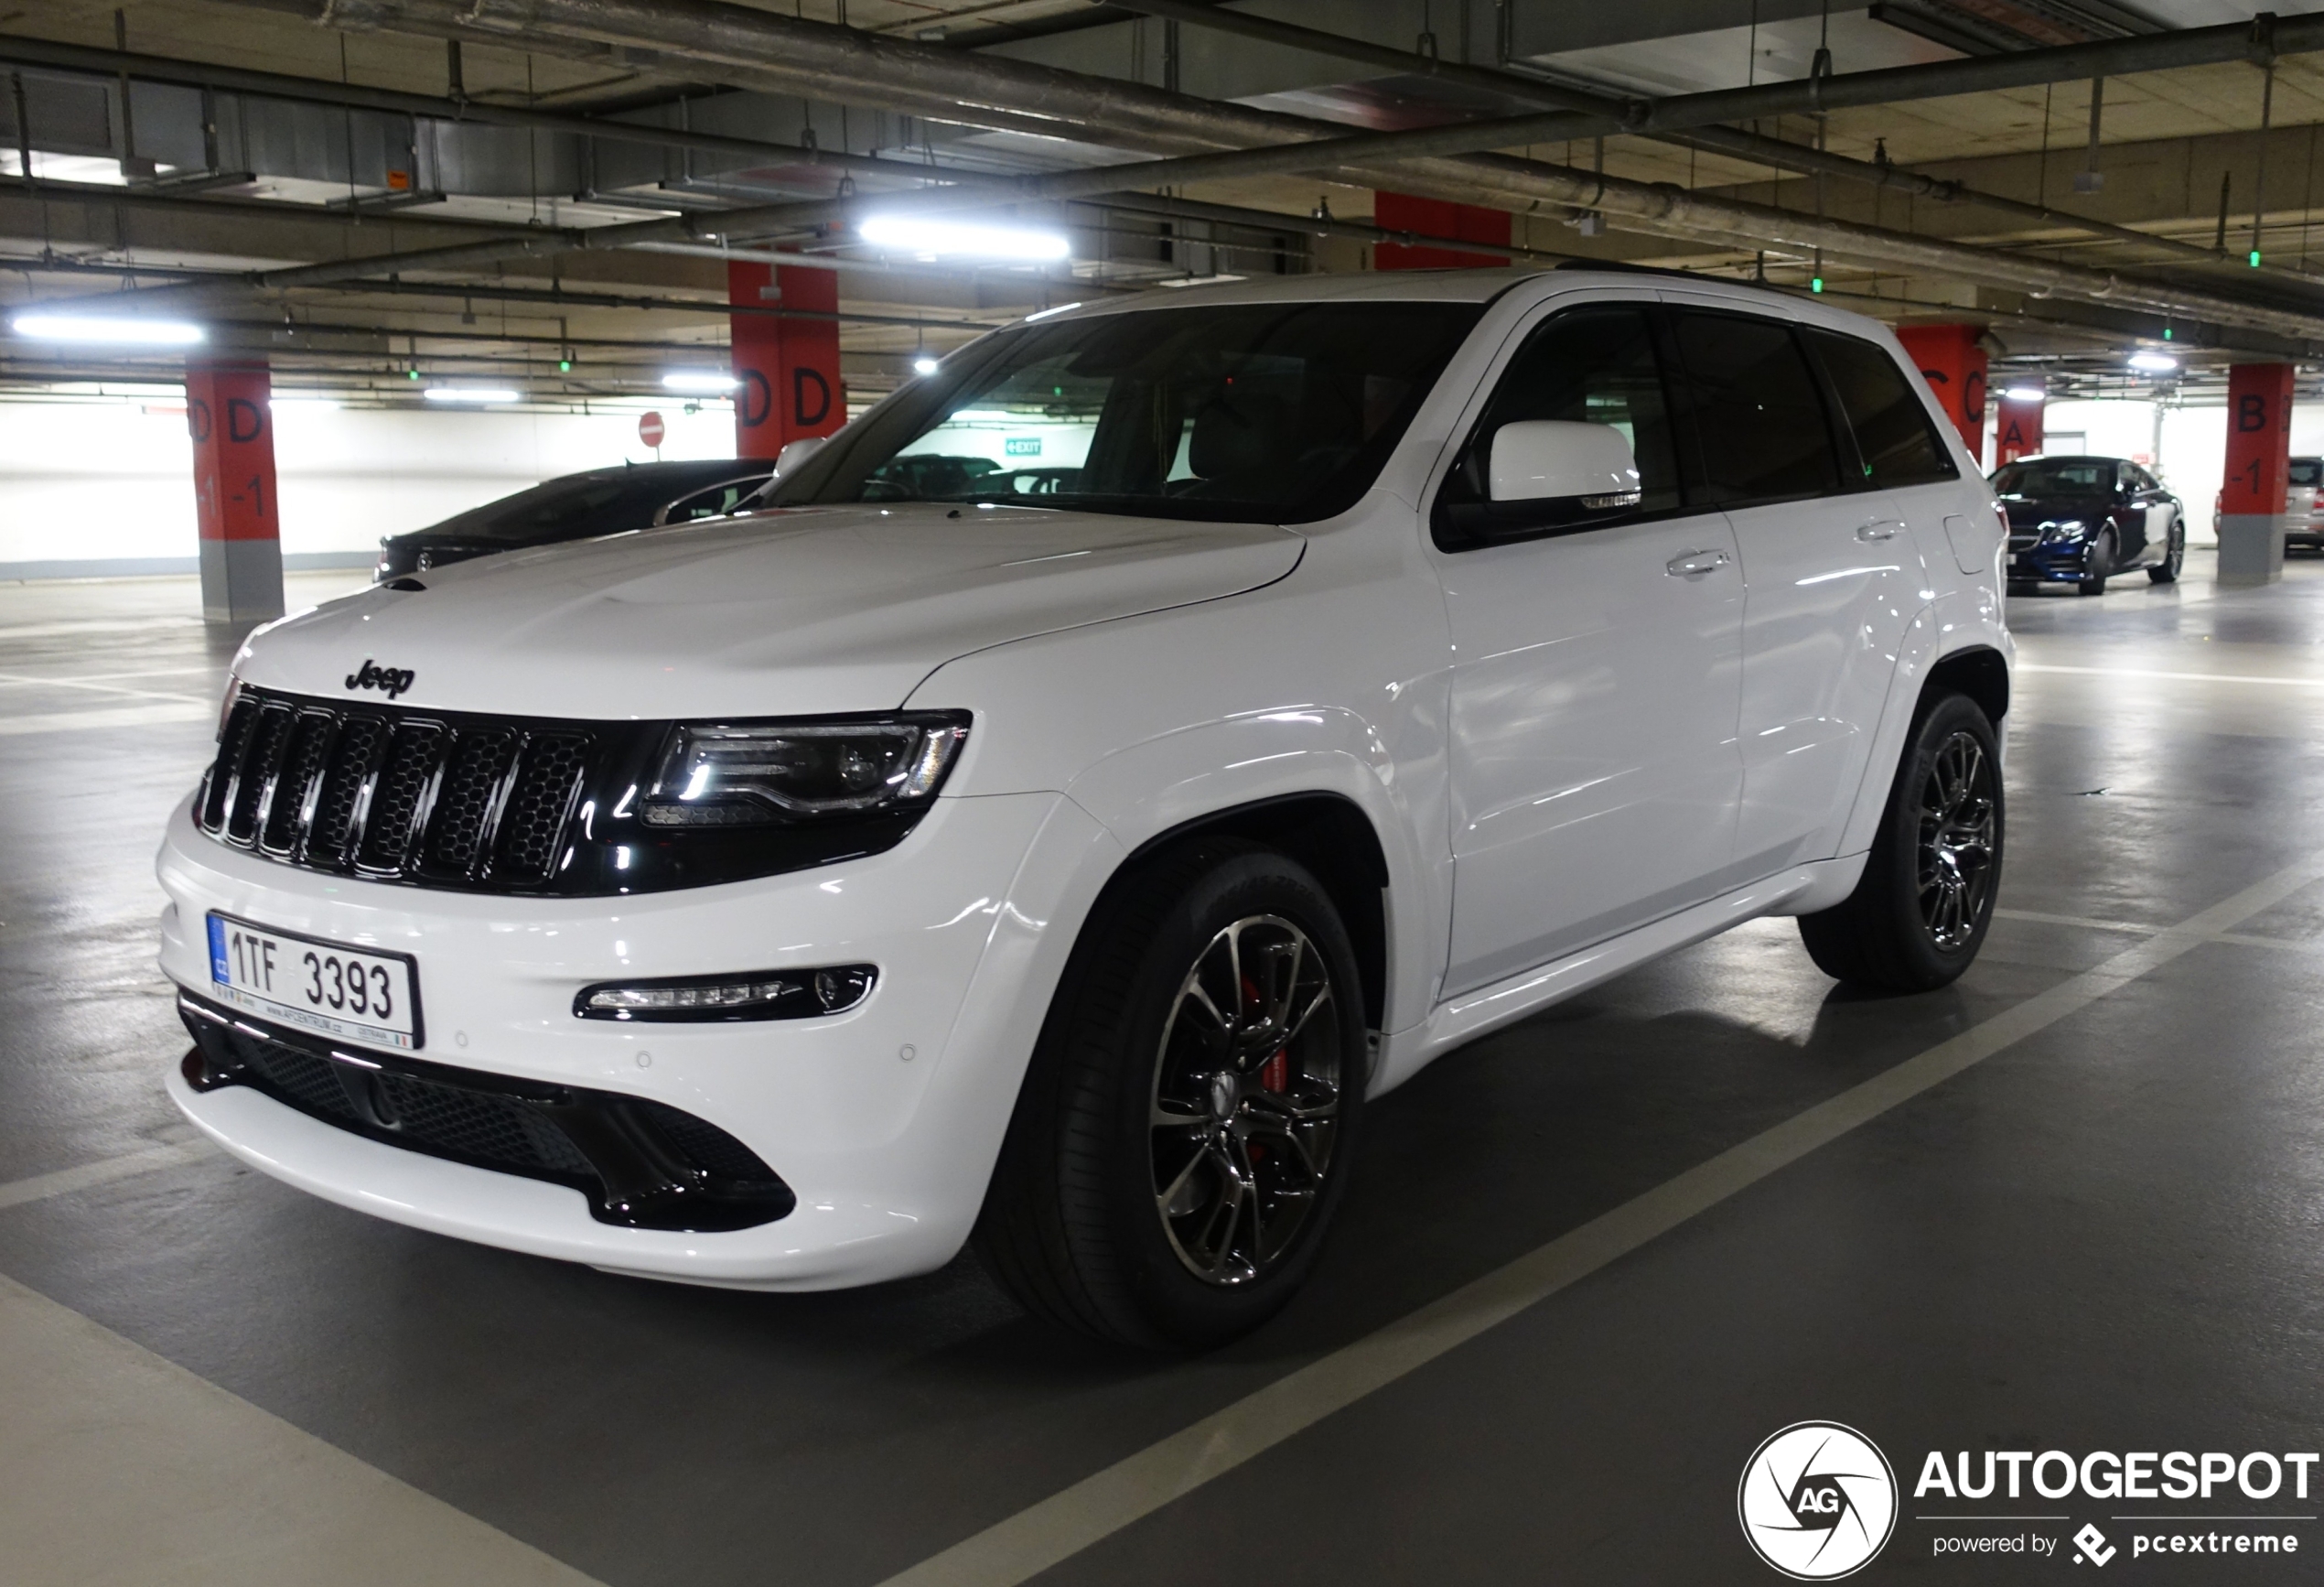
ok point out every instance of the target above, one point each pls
(356, 993)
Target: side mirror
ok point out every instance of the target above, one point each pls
(1558, 459)
(795, 453)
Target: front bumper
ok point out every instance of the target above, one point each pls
(2061, 562)
(883, 1123)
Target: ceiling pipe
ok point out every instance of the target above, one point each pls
(908, 75)
(1754, 147)
(18, 50)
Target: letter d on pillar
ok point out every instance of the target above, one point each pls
(2252, 520)
(239, 522)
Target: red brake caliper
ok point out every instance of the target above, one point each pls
(1274, 1074)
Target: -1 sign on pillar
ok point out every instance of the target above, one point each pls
(2259, 465)
(240, 523)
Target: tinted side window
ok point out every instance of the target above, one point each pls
(1595, 365)
(1894, 441)
(1760, 420)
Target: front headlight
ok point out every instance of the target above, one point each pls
(2068, 529)
(755, 773)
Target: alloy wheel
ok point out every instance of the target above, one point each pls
(1245, 1107)
(1958, 820)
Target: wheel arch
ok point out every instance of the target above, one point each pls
(1332, 836)
(1978, 670)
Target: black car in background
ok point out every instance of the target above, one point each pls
(2080, 520)
(600, 502)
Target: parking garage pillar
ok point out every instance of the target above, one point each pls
(1952, 360)
(2017, 431)
(787, 368)
(2259, 464)
(236, 513)
(1436, 218)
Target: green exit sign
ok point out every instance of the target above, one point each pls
(1025, 446)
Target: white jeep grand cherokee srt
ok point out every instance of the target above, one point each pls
(1099, 769)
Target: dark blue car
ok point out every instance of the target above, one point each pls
(2082, 521)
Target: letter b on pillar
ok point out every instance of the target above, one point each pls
(237, 516)
(2252, 520)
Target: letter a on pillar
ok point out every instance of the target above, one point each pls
(2251, 519)
(786, 369)
(232, 427)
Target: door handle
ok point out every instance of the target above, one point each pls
(1686, 563)
(1879, 529)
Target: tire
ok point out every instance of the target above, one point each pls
(2173, 557)
(1941, 834)
(1105, 1218)
(2099, 562)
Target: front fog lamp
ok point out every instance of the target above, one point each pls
(761, 995)
(750, 773)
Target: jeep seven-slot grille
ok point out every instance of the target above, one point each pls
(395, 795)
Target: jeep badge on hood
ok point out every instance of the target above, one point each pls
(372, 676)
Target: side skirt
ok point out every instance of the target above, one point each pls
(1799, 890)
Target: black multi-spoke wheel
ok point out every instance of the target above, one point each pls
(1246, 1100)
(1184, 1130)
(1919, 912)
(2098, 565)
(1960, 816)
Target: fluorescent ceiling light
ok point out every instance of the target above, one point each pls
(924, 365)
(2154, 362)
(117, 333)
(933, 238)
(470, 393)
(2024, 394)
(708, 380)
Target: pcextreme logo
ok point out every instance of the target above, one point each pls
(1818, 1501)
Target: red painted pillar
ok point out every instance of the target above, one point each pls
(2017, 431)
(786, 369)
(1954, 366)
(2259, 465)
(239, 520)
(1436, 218)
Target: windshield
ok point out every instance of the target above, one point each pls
(1266, 412)
(2040, 477)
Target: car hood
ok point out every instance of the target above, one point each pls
(828, 609)
(2039, 510)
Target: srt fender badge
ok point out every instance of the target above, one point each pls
(394, 681)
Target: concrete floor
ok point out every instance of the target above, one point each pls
(2072, 1202)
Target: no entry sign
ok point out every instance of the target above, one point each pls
(650, 430)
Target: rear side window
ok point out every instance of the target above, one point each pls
(1593, 366)
(1894, 440)
(2307, 471)
(1756, 411)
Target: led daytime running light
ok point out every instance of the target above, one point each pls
(757, 995)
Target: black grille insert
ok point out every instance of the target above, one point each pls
(643, 1164)
(395, 795)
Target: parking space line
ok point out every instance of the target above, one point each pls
(2084, 921)
(105, 1170)
(25, 679)
(121, 1467)
(102, 688)
(2177, 677)
(111, 717)
(1056, 1528)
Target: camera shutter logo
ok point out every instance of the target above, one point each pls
(1818, 1501)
